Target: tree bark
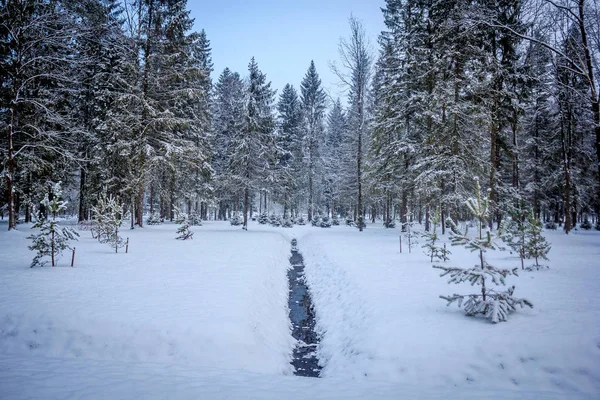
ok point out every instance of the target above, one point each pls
(12, 218)
(246, 200)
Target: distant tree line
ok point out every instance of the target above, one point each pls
(116, 98)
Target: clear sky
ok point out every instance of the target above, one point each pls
(283, 35)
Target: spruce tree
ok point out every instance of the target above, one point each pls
(228, 124)
(492, 304)
(313, 107)
(289, 139)
(535, 246)
(108, 215)
(431, 246)
(254, 150)
(37, 55)
(183, 232)
(52, 240)
(513, 231)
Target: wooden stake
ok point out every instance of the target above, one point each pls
(127, 246)
(73, 257)
(400, 243)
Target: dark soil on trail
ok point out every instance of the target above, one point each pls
(302, 315)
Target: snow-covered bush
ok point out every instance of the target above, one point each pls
(183, 232)
(236, 220)
(275, 220)
(431, 246)
(335, 221)
(263, 218)
(316, 221)
(86, 225)
(389, 223)
(195, 219)
(287, 223)
(492, 304)
(349, 221)
(154, 219)
(301, 221)
(325, 222)
(550, 225)
(52, 240)
(108, 220)
(586, 224)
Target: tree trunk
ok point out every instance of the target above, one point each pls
(246, 200)
(310, 189)
(82, 215)
(359, 174)
(152, 197)
(12, 218)
(595, 99)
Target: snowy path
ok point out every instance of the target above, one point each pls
(381, 317)
(302, 316)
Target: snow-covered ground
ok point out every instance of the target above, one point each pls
(380, 315)
(207, 318)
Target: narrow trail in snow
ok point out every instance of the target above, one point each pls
(302, 315)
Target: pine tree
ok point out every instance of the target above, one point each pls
(183, 232)
(409, 232)
(108, 215)
(36, 70)
(493, 305)
(263, 218)
(313, 107)
(433, 250)
(289, 139)
(513, 230)
(535, 246)
(254, 150)
(52, 240)
(228, 125)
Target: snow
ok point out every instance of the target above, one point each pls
(208, 318)
(218, 300)
(380, 316)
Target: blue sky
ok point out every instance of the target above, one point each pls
(282, 35)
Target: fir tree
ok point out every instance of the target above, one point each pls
(228, 125)
(195, 219)
(513, 231)
(433, 250)
(154, 219)
(289, 139)
(183, 232)
(535, 246)
(493, 305)
(409, 233)
(52, 240)
(313, 107)
(263, 218)
(108, 215)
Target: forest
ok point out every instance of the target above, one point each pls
(119, 97)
